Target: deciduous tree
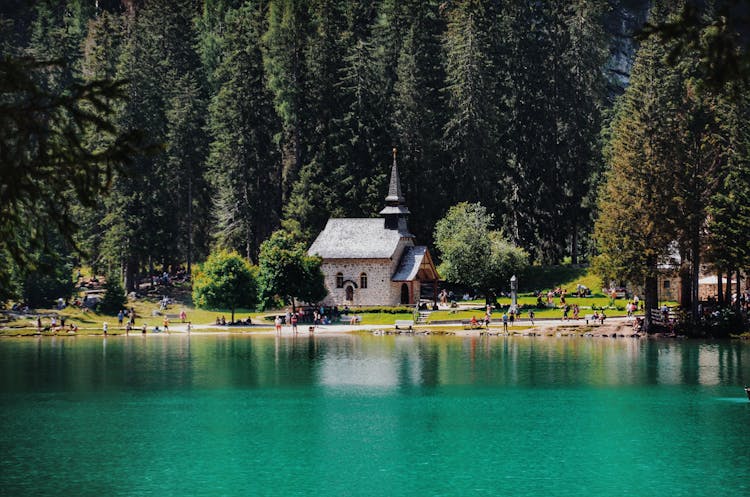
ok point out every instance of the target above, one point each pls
(225, 280)
(288, 273)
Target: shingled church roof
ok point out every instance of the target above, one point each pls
(414, 260)
(357, 238)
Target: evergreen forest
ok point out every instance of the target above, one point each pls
(141, 135)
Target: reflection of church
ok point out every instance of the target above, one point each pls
(374, 261)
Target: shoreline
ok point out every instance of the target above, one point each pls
(555, 328)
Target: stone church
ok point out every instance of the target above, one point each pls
(375, 261)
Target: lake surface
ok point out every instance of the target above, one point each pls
(373, 415)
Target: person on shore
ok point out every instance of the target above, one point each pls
(143, 329)
(474, 322)
(277, 325)
(183, 315)
(120, 317)
(576, 311)
(105, 328)
(127, 328)
(531, 316)
(166, 324)
(602, 317)
(189, 326)
(293, 319)
(505, 322)
(512, 316)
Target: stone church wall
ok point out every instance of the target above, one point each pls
(380, 289)
(379, 286)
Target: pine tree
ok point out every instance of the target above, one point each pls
(244, 161)
(361, 134)
(475, 169)
(728, 246)
(144, 223)
(187, 148)
(638, 205)
(418, 116)
(313, 197)
(286, 40)
(211, 27)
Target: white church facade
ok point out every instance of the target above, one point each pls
(374, 261)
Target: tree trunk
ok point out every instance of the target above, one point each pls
(737, 303)
(650, 293)
(695, 250)
(685, 287)
(131, 285)
(574, 244)
(190, 224)
(720, 288)
(728, 293)
(232, 321)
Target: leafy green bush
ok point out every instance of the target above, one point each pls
(225, 280)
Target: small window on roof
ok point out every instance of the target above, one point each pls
(363, 280)
(339, 280)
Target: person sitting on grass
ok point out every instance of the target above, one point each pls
(474, 322)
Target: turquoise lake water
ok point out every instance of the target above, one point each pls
(373, 415)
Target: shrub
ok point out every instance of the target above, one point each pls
(114, 299)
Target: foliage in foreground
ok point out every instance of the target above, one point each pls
(46, 163)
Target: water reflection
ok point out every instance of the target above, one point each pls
(210, 362)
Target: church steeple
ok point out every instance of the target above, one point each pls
(395, 210)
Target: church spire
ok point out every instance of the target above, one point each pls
(394, 188)
(395, 210)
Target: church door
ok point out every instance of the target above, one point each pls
(405, 294)
(350, 293)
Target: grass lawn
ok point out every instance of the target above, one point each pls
(551, 277)
(585, 305)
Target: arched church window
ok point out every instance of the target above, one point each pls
(339, 280)
(363, 280)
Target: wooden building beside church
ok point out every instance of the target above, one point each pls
(375, 261)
